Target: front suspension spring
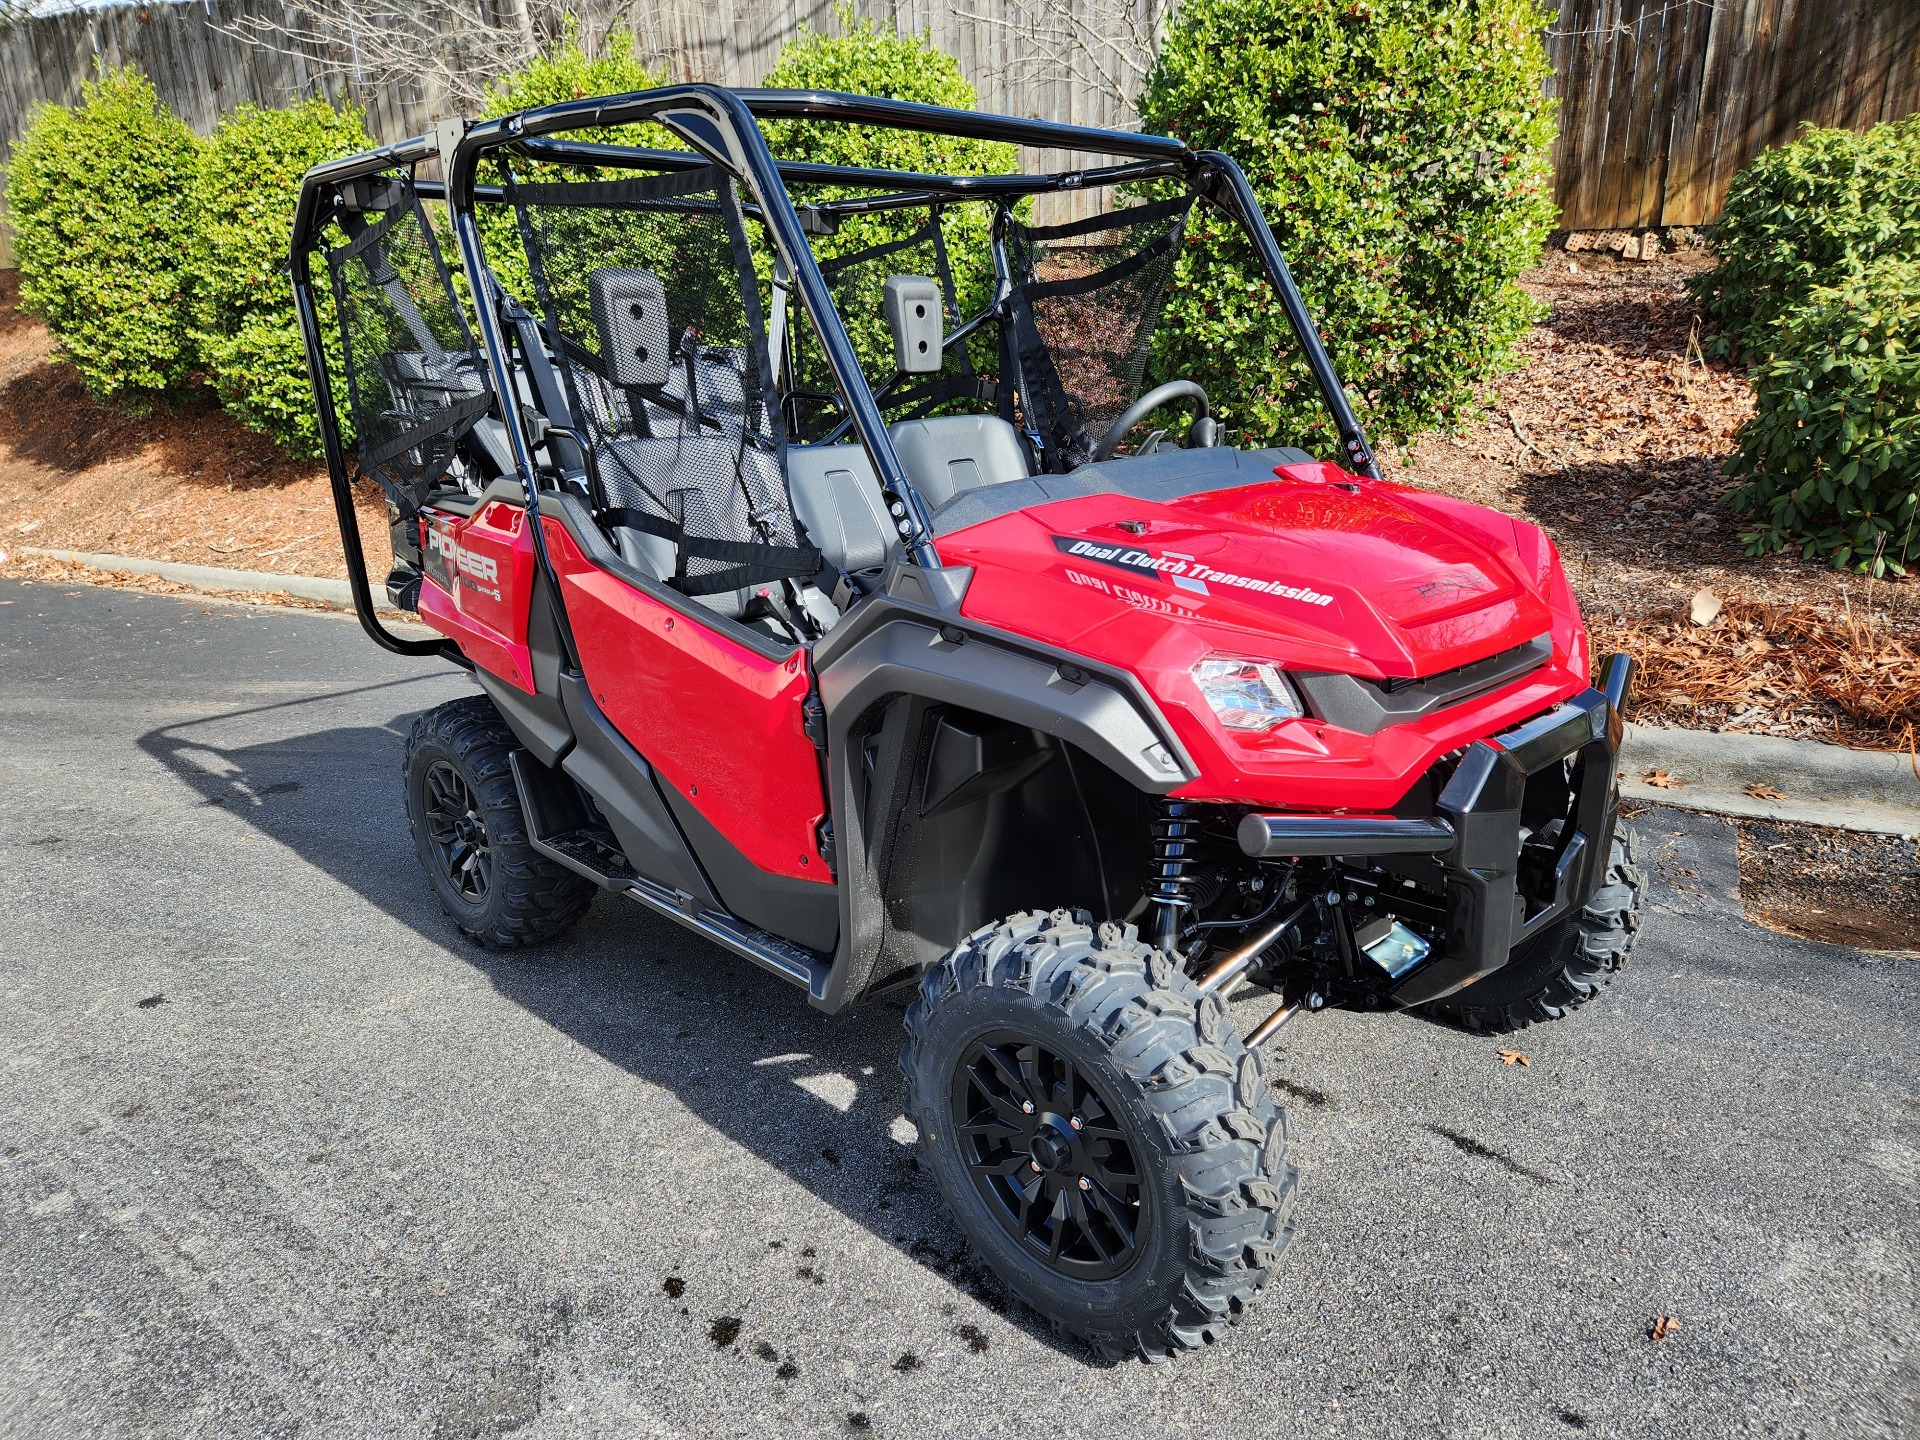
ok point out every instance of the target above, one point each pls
(1176, 845)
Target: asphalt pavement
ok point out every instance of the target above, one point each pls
(282, 1154)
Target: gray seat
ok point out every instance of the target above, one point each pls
(948, 455)
(838, 499)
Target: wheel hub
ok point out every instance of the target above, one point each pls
(457, 832)
(1049, 1156)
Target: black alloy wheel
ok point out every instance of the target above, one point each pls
(457, 833)
(1048, 1155)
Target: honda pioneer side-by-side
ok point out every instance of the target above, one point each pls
(839, 588)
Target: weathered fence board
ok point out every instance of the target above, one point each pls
(1660, 100)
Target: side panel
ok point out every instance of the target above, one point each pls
(479, 585)
(719, 723)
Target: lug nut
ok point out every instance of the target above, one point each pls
(1085, 1184)
(1077, 1123)
(1034, 1165)
(1026, 1107)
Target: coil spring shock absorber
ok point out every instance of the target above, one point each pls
(1176, 834)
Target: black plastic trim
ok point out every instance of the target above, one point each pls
(1370, 706)
(806, 912)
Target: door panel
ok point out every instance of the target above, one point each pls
(720, 723)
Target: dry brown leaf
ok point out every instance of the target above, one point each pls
(1764, 792)
(1705, 607)
(1514, 1057)
(1659, 779)
(1663, 1326)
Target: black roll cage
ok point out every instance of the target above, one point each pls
(721, 127)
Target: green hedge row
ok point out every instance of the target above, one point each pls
(1401, 150)
(1817, 286)
(154, 256)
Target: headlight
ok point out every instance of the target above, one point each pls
(1246, 694)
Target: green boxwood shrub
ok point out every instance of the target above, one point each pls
(242, 318)
(1401, 151)
(566, 73)
(1808, 214)
(1831, 459)
(871, 59)
(97, 199)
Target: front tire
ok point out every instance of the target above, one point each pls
(1560, 970)
(1103, 1138)
(471, 837)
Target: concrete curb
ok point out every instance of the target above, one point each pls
(336, 593)
(1868, 790)
(1871, 790)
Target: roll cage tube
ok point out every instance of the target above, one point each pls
(720, 125)
(300, 272)
(716, 124)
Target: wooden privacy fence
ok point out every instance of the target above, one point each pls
(1660, 100)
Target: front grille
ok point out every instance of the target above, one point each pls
(1370, 706)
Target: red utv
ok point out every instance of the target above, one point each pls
(831, 614)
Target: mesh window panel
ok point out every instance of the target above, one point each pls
(415, 382)
(652, 306)
(1087, 296)
(857, 277)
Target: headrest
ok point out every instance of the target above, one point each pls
(630, 312)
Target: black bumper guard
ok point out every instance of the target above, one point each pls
(1476, 834)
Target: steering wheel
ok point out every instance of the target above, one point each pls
(1203, 432)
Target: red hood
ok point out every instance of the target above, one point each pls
(1314, 568)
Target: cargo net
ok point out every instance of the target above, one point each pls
(1086, 298)
(901, 242)
(415, 382)
(653, 311)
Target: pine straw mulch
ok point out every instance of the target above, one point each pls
(1612, 435)
(184, 483)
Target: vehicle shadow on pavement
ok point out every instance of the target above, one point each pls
(818, 1097)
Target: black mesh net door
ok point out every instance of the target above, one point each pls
(653, 310)
(415, 382)
(1086, 298)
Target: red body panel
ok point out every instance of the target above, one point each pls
(479, 585)
(720, 723)
(1315, 569)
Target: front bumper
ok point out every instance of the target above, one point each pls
(1476, 835)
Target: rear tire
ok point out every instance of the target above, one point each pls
(470, 834)
(1156, 1219)
(1561, 970)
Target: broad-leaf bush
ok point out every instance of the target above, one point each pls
(1831, 459)
(1808, 214)
(1401, 152)
(566, 73)
(97, 200)
(243, 322)
(870, 59)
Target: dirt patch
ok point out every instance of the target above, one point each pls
(184, 483)
(1613, 435)
(1833, 886)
